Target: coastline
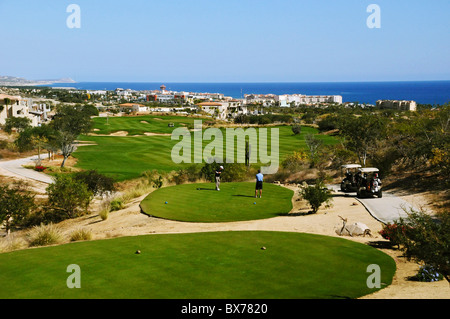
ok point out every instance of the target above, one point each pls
(423, 92)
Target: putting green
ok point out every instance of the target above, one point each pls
(202, 203)
(217, 265)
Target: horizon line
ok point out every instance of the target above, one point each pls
(352, 81)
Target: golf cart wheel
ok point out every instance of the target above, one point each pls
(380, 194)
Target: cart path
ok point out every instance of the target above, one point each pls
(387, 209)
(15, 168)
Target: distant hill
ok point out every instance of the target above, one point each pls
(16, 81)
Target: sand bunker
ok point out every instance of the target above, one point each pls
(156, 134)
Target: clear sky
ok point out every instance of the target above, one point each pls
(226, 40)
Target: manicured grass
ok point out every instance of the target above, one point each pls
(138, 125)
(127, 157)
(202, 203)
(218, 265)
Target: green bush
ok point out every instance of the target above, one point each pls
(68, 197)
(116, 204)
(427, 273)
(97, 183)
(316, 195)
(296, 129)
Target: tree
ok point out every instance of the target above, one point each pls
(425, 239)
(69, 122)
(97, 183)
(68, 198)
(19, 123)
(316, 195)
(296, 129)
(361, 133)
(314, 144)
(16, 203)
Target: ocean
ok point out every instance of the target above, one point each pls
(423, 92)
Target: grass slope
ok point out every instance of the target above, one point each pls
(202, 203)
(228, 265)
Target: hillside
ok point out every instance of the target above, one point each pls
(17, 81)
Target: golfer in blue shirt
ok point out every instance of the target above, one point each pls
(259, 183)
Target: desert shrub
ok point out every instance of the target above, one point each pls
(157, 182)
(427, 273)
(116, 204)
(97, 183)
(154, 178)
(16, 204)
(282, 175)
(193, 173)
(316, 195)
(296, 129)
(295, 161)
(104, 212)
(81, 234)
(180, 177)
(235, 172)
(68, 197)
(44, 235)
(392, 232)
(10, 243)
(425, 239)
(3, 144)
(328, 123)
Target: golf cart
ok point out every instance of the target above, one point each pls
(369, 184)
(349, 183)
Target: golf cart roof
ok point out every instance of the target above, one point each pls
(368, 169)
(351, 166)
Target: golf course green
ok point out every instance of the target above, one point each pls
(126, 157)
(228, 265)
(202, 203)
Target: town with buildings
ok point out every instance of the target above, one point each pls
(36, 103)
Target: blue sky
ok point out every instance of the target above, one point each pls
(226, 41)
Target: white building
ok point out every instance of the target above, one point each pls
(263, 99)
(223, 110)
(397, 105)
(16, 106)
(285, 100)
(133, 107)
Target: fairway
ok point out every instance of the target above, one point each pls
(202, 203)
(127, 157)
(138, 125)
(219, 265)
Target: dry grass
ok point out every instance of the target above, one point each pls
(80, 234)
(11, 243)
(44, 235)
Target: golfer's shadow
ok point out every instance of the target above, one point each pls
(245, 196)
(206, 189)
